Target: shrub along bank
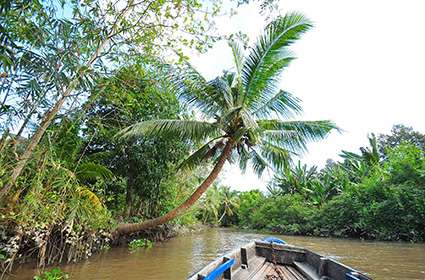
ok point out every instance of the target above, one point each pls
(372, 195)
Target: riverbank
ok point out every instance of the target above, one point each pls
(378, 200)
(57, 251)
(186, 253)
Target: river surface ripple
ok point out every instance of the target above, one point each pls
(181, 256)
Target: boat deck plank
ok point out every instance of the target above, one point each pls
(269, 271)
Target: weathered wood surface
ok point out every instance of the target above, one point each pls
(265, 261)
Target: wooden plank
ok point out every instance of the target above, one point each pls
(287, 273)
(296, 273)
(261, 273)
(255, 264)
(269, 270)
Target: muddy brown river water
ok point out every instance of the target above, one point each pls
(181, 256)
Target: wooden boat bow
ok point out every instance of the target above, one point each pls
(273, 259)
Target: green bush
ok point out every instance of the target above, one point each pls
(250, 203)
(388, 203)
(54, 274)
(285, 214)
(140, 243)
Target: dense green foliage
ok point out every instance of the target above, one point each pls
(140, 243)
(362, 196)
(72, 74)
(82, 179)
(53, 274)
(142, 167)
(243, 116)
(77, 76)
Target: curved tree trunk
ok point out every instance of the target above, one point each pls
(132, 228)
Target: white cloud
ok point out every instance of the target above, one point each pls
(362, 66)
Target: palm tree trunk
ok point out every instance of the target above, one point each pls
(133, 228)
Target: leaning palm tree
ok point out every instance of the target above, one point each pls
(229, 202)
(243, 116)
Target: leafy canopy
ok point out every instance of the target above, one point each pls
(245, 106)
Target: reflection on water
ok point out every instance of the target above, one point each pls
(184, 255)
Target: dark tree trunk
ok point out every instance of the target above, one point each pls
(131, 174)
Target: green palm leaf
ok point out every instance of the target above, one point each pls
(91, 171)
(239, 61)
(220, 93)
(308, 130)
(258, 162)
(193, 90)
(269, 56)
(283, 103)
(184, 129)
(205, 152)
(277, 156)
(289, 140)
(244, 157)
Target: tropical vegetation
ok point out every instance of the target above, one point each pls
(73, 74)
(140, 243)
(370, 195)
(107, 130)
(242, 117)
(53, 274)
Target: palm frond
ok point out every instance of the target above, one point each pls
(307, 130)
(205, 152)
(277, 156)
(270, 55)
(183, 129)
(248, 120)
(267, 85)
(238, 58)
(192, 89)
(283, 103)
(220, 93)
(258, 162)
(91, 171)
(243, 157)
(289, 140)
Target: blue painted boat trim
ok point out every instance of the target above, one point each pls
(272, 239)
(350, 276)
(216, 273)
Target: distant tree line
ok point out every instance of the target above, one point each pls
(378, 193)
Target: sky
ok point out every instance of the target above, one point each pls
(361, 66)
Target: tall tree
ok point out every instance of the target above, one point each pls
(135, 92)
(243, 116)
(400, 134)
(65, 46)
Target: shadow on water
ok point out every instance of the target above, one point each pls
(181, 256)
